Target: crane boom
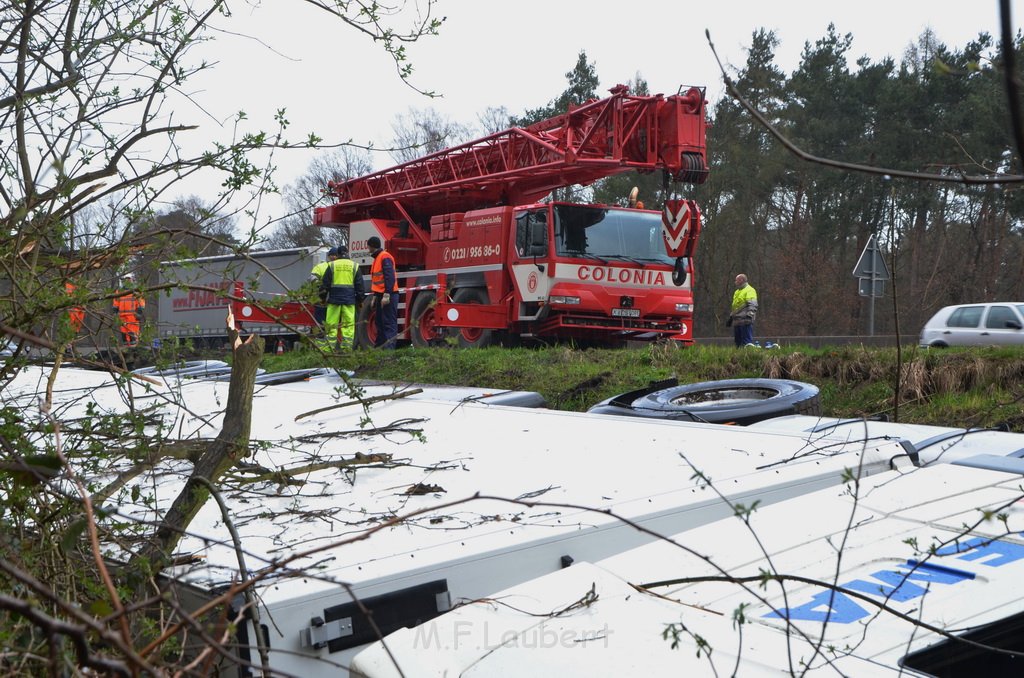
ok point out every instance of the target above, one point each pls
(521, 165)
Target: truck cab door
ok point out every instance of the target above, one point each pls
(532, 235)
(530, 262)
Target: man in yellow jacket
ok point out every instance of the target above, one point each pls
(342, 285)
(743, 312)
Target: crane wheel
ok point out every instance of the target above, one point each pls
(366, 324)
(424, 331)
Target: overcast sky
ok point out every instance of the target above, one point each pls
(515, 54)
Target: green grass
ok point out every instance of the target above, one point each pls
(960, 387)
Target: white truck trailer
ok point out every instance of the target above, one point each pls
(256, 286)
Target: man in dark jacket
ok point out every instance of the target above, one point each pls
(384, 286)
(342, 286)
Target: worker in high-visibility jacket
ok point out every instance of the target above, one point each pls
(743, 312)
(129, 308)
(634, 202)
(342, 287)
(384, 286)
(76, 314)
(317, 277)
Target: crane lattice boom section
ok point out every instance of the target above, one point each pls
(522, 165)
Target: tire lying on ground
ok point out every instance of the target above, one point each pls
(729, 401)
(188, 368)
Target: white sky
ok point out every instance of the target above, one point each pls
(337, 83)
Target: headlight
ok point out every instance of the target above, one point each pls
(684, 308)
(564, 300)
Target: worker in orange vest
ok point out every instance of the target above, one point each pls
(384, 287)
(129, 311)
(76, 314)
(634, 202)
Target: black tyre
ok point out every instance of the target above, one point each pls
(473, 337)
(366, 324)
(424, 331)
(730, 401)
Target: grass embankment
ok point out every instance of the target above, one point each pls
(969, 388)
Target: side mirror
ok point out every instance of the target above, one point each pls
(679, 272)
(1013, 325)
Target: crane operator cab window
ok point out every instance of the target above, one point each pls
(532, 233)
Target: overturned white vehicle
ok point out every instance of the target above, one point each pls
(360, 509)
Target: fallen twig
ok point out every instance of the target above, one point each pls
(282, 475)
(363, 401)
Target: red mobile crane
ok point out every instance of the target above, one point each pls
(478, 254)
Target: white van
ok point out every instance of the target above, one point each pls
(988, 324)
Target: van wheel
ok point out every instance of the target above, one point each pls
(473, 337)
(424, 331)
(732, 401)
(366, 324)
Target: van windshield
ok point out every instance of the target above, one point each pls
(609, 233)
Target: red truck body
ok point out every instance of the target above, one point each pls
(481, 258)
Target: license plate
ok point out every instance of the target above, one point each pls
(626, 312)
